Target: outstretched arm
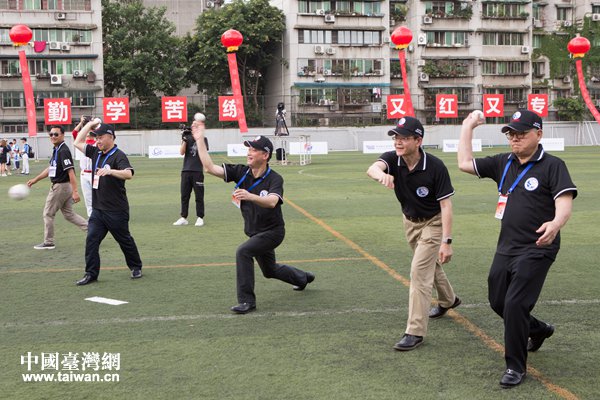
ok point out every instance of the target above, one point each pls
(377, 172)
(209, 166)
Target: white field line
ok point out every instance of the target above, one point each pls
(285, 314)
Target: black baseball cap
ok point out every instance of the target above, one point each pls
(522, 121)
(260, 143)
(408, 126)
(104, 129)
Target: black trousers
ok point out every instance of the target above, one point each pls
(189, 180)
(117, 223)
(261, 246)
(514, 285)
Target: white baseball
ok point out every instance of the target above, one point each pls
(479, 114)
(199, 117)
(18, 192)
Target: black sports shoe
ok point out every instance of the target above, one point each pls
(439, 311)
(535, 342)
(136, 273)
(309, 278)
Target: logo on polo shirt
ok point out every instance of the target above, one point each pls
(422, 191)
(531, 184)
(263, 193)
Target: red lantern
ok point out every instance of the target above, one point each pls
(401, 37)
(20, 35)
(578, 46)
(232, 39)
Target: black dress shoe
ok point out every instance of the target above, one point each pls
(309, 278)
(439, 311)
(243, 308)
(408, 342)
(136, 273)
(86, 280)
(512, 378)
(536, 341)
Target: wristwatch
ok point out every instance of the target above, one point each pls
(447, 240)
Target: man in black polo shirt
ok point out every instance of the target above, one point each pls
(423, 188)
(535, 200)
(63, 192)
(110, 208)
(259, 194)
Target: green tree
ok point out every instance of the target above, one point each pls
(262, 27)
(142, 56)
(570, 109)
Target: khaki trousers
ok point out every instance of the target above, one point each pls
(425, 238)
(59, 198)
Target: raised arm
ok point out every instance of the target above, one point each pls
(79, 142)
(465, 147)
(209, 166)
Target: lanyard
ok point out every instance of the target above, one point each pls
(54, 159)
(100, 155)
(255, 183)
(514, 185)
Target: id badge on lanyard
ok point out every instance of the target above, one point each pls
(52, 171)
(96, 182)
(236, 202)
(502, 199)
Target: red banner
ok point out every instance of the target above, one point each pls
(584, 91)
(174, 109)
(116, 110)
(446, 106)
(29, 100)
(538, 103)
(409, 105)
(397, 106)
(57, 111)
(237, 91)
(229, 108)
(493, 105)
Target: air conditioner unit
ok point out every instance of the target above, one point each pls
(327, 72)
(538, 23)
(330, 18)
(566, 24)
(77, 73)
(55, 79)
(567, 79)
(330, 51)
(427, 19)
(524, 49)
(422, 39)
(595, 17)
(595, 79)
(421, 63)
(65, 47)
(54, 46)
(423, 77)
(319, 49)
(210, 4)
(320, 12)
(386, 39)
(60, 16)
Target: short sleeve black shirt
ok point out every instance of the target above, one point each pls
(111, 194)
(191, 161)
(258, 219)
(63, 161)
(531, 203)
(419, 191)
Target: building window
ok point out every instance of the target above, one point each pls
(83, 99)
(502, 68)
(32, 4)
(10, 67)
(537, 41)
(561, 14)
(595, 8)
(447, 39)
(511, 95)
(464, 95)
(62, 35)
(14, 128)
(314, 36)
(8, 5)
(12, 100)
(499, 10)
(318, 96)
(77, 5)
(502, 39)
(356, 38)
(539, 69)
(340, 67)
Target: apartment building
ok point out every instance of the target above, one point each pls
(64, 58)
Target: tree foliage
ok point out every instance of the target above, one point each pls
(142, 56)
(262, 27)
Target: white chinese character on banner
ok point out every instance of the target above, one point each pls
(70, 362)
(57, 111)
(50, 361)
(111, 361)
(493, 103)
(397, 104)
(538, 104)
(90, 361)
(174, 109)
(229, 108)
(446, 106)
(115, 110)
(29, 359)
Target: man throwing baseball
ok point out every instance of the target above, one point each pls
(258, 193)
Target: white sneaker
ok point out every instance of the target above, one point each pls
(181, 221)
(199, 222)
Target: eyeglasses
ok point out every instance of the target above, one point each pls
(54, 134)
(510, 135)
(399, 138)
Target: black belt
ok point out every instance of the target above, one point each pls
(417, 220)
